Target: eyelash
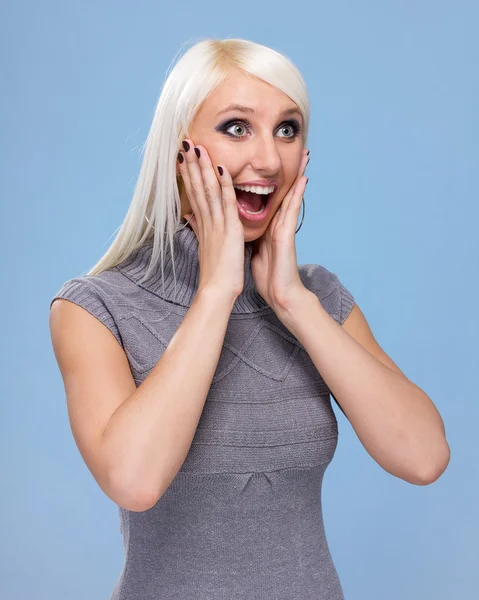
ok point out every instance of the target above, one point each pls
(291, 123)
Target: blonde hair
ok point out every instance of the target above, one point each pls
(196, 74)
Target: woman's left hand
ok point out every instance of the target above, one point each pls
(273, 263)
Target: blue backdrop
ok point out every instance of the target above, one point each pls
(394, 146)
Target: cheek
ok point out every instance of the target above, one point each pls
(288, 181)
(290, 175)
(226, 156)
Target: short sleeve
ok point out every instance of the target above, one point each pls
(335, 298)
(90, 295)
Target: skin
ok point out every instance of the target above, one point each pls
(264, 148)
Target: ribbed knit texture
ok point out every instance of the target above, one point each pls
(242, 520)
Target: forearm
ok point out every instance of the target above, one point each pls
(148, 437)
(394, 419)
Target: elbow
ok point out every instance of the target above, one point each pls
(139, 502)
(431, 472)
(131, 496)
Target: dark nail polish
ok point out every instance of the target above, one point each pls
(220, 170)
(308, 152)
(307, 181)
(180, 158)
(197, 152)
(308, 161)
(186, 146)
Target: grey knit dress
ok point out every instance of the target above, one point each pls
(242, 520)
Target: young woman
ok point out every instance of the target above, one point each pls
(198, 359)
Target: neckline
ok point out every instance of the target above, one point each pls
(187, 270)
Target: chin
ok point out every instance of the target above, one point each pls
(251, 236)
(253, 233)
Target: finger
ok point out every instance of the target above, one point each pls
(302, 168)
(228, 194)
(211, 185)
(182, 167)
(291, 214)
(194, 184)
(287, 199)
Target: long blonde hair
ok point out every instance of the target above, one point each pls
(157, 192)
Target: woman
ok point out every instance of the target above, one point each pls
(198, 359)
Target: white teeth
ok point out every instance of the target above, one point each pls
(256, 189)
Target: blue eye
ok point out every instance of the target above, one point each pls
(236, 124)
(295, 129)
(243, 123)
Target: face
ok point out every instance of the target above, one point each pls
(265, 145)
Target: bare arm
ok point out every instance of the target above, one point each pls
(134, 440)
(148, 437)
(395, 420)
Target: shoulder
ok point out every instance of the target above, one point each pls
(318, 279)
(110, 288)
(334, 296)
(103, 284)
(102, 295)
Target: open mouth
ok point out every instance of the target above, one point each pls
(252, 206)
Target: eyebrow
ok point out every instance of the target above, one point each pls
(247, 109)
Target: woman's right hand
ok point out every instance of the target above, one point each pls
(216, 222)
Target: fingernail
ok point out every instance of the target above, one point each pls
(220, 170)
(307, 181)
(180, 158)
(186, 146)
(308, 161)
(197, 152)
(307, 154)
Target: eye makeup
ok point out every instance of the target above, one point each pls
(223, 127)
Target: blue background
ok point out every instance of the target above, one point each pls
(394, 145)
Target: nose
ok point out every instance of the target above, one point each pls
(264, 156)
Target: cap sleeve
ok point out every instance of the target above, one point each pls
(335, 298)
(86, 293)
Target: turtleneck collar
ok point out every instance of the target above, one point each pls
(187, 270)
